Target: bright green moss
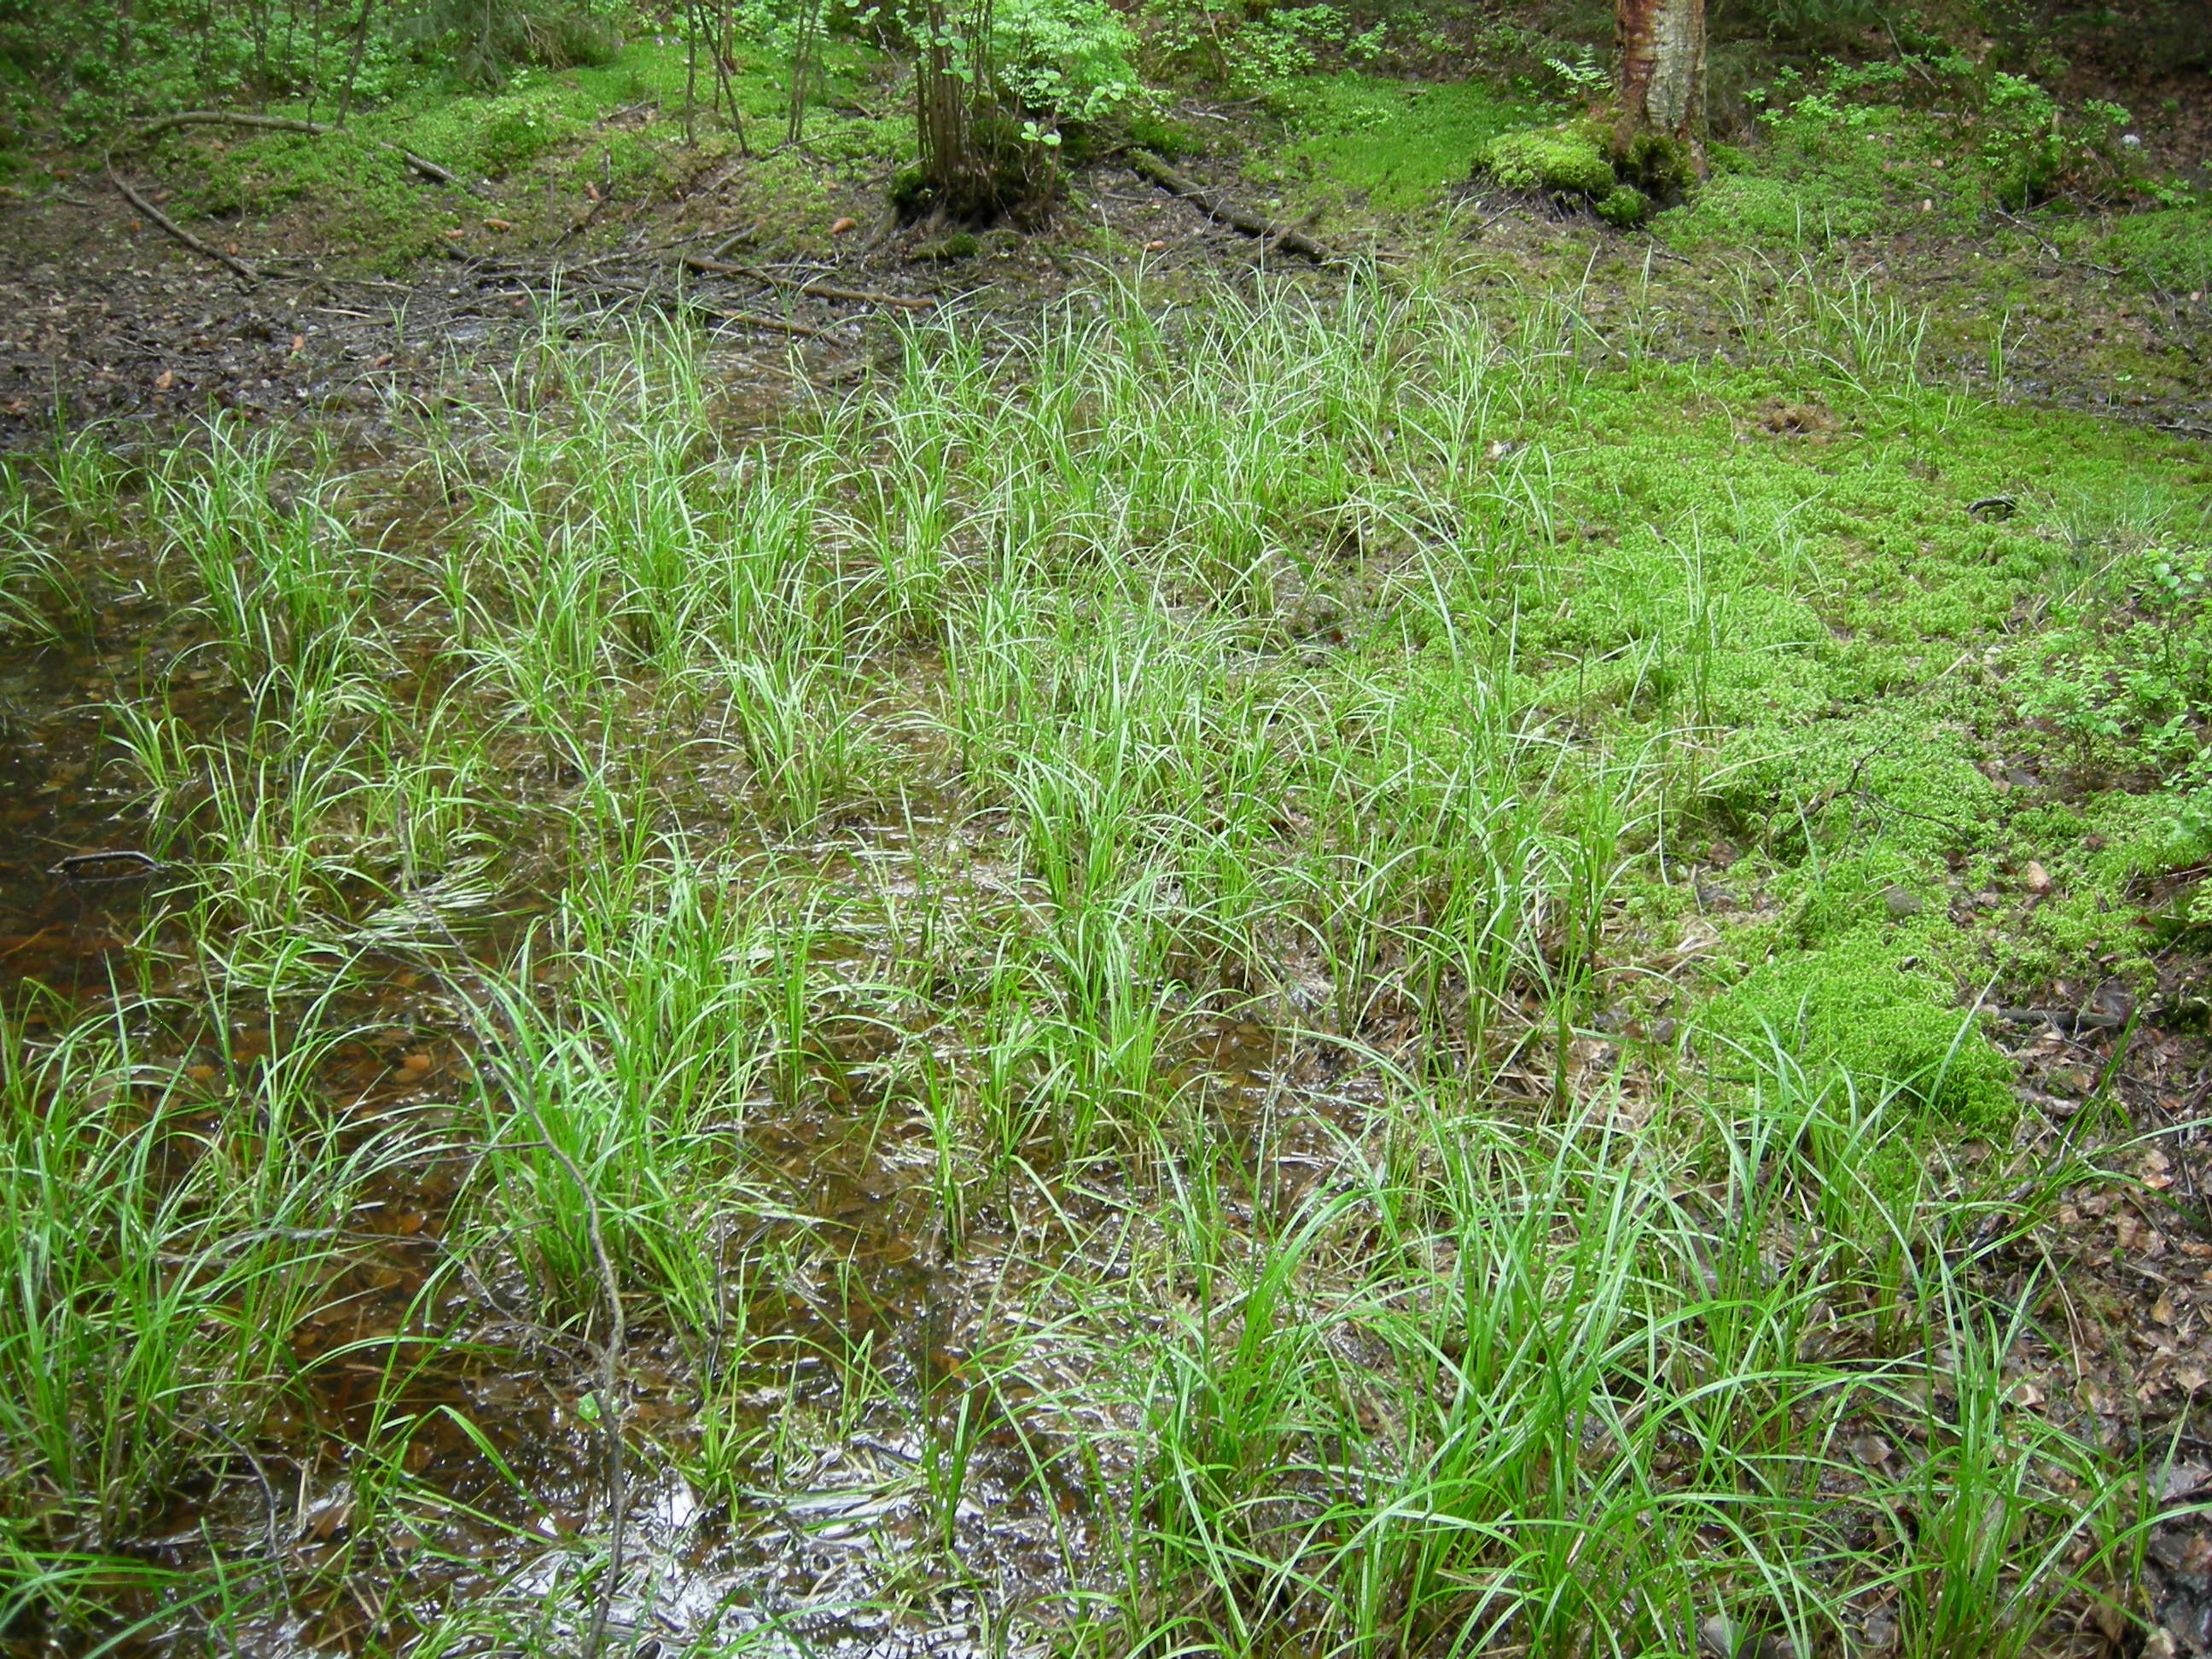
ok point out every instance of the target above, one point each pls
(1569, 157)
(1856, 1006)
(1396, 143)
(1624, 205)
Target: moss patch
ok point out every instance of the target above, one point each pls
(1568, 158)
(1857, 1007)
(1395, 144)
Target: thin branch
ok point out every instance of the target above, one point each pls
(818, 290)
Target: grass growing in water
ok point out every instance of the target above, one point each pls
(1097, 913)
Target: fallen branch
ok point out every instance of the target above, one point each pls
(245, 272)
(216, 118)
(818, 291)
(1149, 166)
(210, 118)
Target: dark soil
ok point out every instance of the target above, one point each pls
(103, 318)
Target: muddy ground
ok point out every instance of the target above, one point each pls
(102, 315)
(103, 318)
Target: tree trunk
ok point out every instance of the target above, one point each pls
(1661, 79)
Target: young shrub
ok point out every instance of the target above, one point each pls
(995, 84)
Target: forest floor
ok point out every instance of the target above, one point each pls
(1189, 921)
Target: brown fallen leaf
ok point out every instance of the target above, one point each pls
(165, 380)
(2162, 1310)
(2186, 1480)
(327, 1516)
(844, 225)
(1872, 1450)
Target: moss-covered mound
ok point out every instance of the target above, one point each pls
(1854, 1006)
(1583, 161)
(1570, 158)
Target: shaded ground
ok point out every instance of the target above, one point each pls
(114, 320)
(105, 315)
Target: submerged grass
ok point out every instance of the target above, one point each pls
(1113, 913)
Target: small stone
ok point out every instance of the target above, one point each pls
(2035, 879)
(1900, 902)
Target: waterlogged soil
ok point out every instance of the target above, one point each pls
(103, 315)
(105, 320)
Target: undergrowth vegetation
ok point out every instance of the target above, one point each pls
(1084, 985)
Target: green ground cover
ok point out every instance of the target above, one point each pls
(1323, 966)
(1127, 917)
(1391, 145)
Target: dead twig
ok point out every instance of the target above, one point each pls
(1290, 237)
(818, 290)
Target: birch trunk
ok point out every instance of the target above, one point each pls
(1661, 79)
